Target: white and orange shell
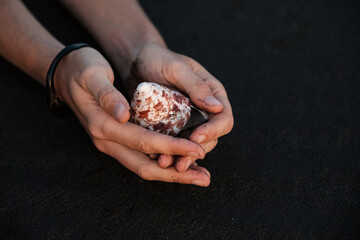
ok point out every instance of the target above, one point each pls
(160, 109)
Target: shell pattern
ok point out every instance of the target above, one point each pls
(160, 109)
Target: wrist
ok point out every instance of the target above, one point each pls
(68, 68)
(120, 26)
(124, 51)
(62, 74)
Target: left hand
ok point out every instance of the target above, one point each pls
(155, 63)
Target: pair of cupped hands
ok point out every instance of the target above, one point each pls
(84, 80)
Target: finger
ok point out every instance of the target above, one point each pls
(196, 175)
(209, 146)
(103, 127)
(196, 167)
(153, 155)
(223, 122)
(197, 89)
(183, 162)
(148, 169)
(219, 124)
(166, 161)
(144, 140)
(108, 97)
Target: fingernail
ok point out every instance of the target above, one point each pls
(200, 138)
(206, 172)
(199, 183)
(194, 154)
(119, 111)
(210, 100)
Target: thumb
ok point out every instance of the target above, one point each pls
(199, 92)
(109, 98)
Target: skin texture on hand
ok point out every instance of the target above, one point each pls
(24, 42)
(84, 80)
(120, 26)
(130, 39)
(156, 63)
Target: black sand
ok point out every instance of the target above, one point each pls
(288, 170)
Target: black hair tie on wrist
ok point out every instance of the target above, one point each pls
(55, 104)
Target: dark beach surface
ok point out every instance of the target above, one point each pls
(290, 169)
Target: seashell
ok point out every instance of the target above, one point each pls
(164, 110)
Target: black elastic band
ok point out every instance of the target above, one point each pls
(53, 100)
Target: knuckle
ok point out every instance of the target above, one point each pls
(230, 124)
(198, 86)
(99, 145)
(143, 172)
(173, 69)
(95, 70)
(94, 130)
(142, 146)
(201, 85)
(172, 146)
(105, 127)
(103, 94)
(111, 76)
(176, 65)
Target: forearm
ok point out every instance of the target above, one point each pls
(24, 42)
(120, 26)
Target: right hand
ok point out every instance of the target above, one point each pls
(84, 80)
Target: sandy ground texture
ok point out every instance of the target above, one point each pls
(289, 169)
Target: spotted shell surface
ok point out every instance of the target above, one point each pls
(159, 108)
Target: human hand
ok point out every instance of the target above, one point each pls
(155, 63)
(84, 80)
